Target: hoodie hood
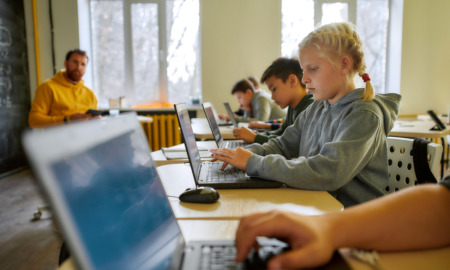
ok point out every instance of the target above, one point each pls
(389, 104)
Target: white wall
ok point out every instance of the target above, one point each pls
(425, 56)
(242, 37)
(239, 39)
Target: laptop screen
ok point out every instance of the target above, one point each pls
(115, 201)
(230, 114)
(212, 123)
(189, 138)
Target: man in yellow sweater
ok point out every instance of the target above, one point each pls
(64, 97)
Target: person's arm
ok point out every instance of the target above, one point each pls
(39, 112)
(243, 133)
(261, 108)
(411, 219)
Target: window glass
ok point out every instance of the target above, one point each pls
(372, 17)
(145, 48)
(165, 70)
(108, 49)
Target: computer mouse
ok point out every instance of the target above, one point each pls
(200, 195)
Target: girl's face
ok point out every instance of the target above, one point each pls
(321, 79)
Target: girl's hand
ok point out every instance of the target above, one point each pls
(235, 157)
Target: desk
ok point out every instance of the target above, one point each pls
(235, 203)
(160, 159)
(417, 128)
(202, 130)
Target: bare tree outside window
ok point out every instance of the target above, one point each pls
(160, 39)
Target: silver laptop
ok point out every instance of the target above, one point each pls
(221, 143)
(231, 115)
(220, 122)
(209, 173)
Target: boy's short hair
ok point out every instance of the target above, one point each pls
(242, 86)
(282, 68)
(77, 51)
(254, 81)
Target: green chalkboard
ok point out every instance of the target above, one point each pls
(14, 85)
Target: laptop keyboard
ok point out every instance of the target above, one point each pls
(222, 257)
(214, 174)
(235, 144)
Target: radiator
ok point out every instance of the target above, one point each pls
(163, 131)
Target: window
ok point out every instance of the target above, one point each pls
(372, 20)
(145, 50)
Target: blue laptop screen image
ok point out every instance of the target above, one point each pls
(118, 205)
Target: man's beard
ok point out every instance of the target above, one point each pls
(74, 75)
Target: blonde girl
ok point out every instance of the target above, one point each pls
(338, 144)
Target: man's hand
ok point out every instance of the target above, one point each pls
(235, 157)
(246, 134)
(80, 116)
(308, 236)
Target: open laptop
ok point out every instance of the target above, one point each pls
(220, 122)
(209, 173)
(221, 143)
(231, 115)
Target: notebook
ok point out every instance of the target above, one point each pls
(231, 115)
(221, 143)
(202, 171)
(220, 122)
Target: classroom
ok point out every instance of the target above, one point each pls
(237, 39)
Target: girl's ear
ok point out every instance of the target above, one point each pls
(346, 64)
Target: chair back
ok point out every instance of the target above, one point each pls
(401, 164)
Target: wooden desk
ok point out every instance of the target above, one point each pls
(202, 130)
(417, 128)
(235, 203)
(160, 159)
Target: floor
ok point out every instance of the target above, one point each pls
(24, 243)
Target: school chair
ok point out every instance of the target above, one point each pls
(412, 162)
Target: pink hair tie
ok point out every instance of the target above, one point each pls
(365, 77)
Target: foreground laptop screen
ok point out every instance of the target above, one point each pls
(119, 207)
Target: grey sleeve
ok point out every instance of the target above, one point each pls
(336, 164)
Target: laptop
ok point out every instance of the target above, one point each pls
(209, 173)
(221, 143)
(220, 122)
(231, 115)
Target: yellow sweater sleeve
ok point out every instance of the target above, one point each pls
(40, 109)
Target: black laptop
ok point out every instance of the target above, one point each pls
(209, 173)
(212, 121)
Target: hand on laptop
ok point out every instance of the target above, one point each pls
(244, 133)
(307, 236)
(235, 157)
(224, 117)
